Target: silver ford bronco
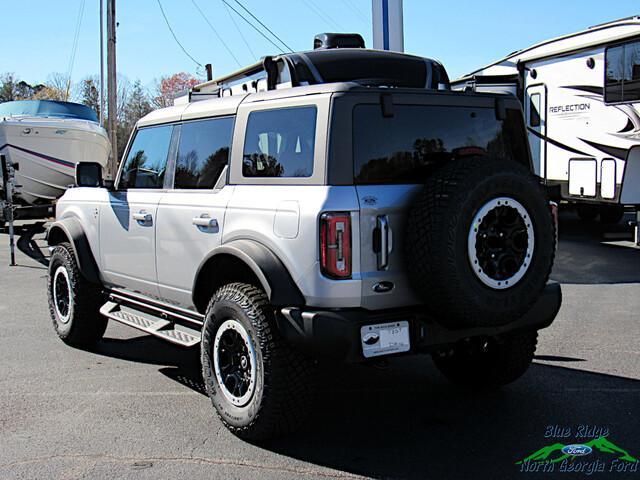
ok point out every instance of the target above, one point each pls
(339, 202)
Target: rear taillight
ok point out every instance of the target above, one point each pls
(335, 245)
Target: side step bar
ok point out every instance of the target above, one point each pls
(160, 327)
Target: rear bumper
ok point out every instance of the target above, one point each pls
(336, 333)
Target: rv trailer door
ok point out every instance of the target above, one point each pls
(535, 110)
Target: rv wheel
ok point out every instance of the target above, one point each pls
(480, 242)
(586, 211)
(611, 214)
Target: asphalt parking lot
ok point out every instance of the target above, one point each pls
(134, 406)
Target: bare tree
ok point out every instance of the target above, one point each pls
(88, 93)
(55, 88)
(138, 104)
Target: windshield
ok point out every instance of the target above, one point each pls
(47, 108)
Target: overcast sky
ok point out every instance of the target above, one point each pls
(37, 36)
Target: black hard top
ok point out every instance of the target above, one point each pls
(372, 67)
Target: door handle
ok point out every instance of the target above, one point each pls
(205, 222)
(382, 223)
(142, 217)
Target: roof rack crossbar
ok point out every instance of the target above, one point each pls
(245, 78)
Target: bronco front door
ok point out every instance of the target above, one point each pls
(128, 220)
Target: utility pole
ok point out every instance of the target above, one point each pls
(112, 87)
(101, 63)
(388, 31)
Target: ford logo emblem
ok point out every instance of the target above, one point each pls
(577, 450)
(382, 287)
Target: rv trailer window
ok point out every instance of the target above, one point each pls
(534, 110)
(632, 72)
(622, 80)
(146, 161)
(280, 143)
(203, 152)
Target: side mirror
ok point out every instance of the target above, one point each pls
(89, 174)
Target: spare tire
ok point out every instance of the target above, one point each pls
(480, 242)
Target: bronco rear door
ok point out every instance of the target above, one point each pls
(398, 141)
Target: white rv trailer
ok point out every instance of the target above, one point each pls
(580, 94)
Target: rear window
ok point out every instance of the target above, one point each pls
(405, 147)
(280, 143)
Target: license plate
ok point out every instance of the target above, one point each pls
(385, 338)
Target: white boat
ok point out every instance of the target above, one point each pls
(46, 139)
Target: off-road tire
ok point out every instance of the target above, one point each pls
(611, 214)
(282, 394)
(85, 326)
(505, 360)
(587, 212)
(438, 229)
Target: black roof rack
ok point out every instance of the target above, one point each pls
(331, 62)
(368, 67)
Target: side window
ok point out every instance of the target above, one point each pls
(632, 72)
(203, 152)
(534, 110)
(622, 82)
(614, 74)
(280, 143)
(146, 162)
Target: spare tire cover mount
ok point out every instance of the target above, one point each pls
(501, 242)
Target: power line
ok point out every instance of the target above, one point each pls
(355, 8)
(320, 9)
(216, 32)
(74, 48)
(322, 15)
(264, 26)
(175, 37)
(253, 26)
(361, 16)
(233, 20)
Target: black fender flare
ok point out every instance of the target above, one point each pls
(71, 229)
(273, 276)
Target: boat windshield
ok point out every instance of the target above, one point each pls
(47, 108)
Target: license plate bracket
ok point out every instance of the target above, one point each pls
(385, 338)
